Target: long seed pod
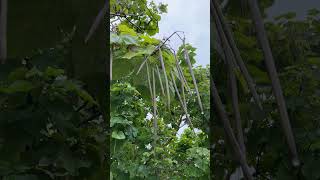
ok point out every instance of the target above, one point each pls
(233, 84)
(183, 78)
(183, 94)
(276, 86)
(193, 78)
(149, 81)
(97, 21)
(231, 66)
(111, 59)
(236, 110)
(181, 102)
(142, 64)
(182, 86)
(175, 70)
(3, 30)
(165, 76)
(161, 85)
(154, 102)
(217, 14)
(228, 131)
(181, 73)
(227, 52)
(155, 120)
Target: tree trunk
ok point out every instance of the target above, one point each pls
(269, 61)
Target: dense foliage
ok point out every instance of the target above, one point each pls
(295, 47)
(50, 127)
(137, 152)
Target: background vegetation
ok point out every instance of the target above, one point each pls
(295, 48)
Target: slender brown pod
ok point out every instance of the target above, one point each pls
(236, 110)
(165, 76)
(3, 30)
(182, 86)
(230, 64)
(149, 81)
(97, 22)
(154, 105)
(228, 131)
(142, 64)
(233, 83)
(218, 14)
(182, 90)
(181, 73)
(161, 85)
(154, 101)
(186, 54)
(225, 45)
(111, 59)
(181, 102)
(276, 86)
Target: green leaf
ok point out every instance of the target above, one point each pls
(114, 38)
(148, 50)
(33, 72)
(118, 135)
(131, 54)
(124, 29)
(118, 120)
(139, 51)
(129, 40)
(54, 72)
(18, 86)
(18, 74)
(149, 40)
(313, 12)
(315, 146)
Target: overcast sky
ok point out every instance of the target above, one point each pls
(299, 6)
(192, 17)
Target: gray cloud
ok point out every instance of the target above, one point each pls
(192, 17)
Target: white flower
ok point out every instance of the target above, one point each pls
(169, 125)
(149, 116)
(148, 146)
